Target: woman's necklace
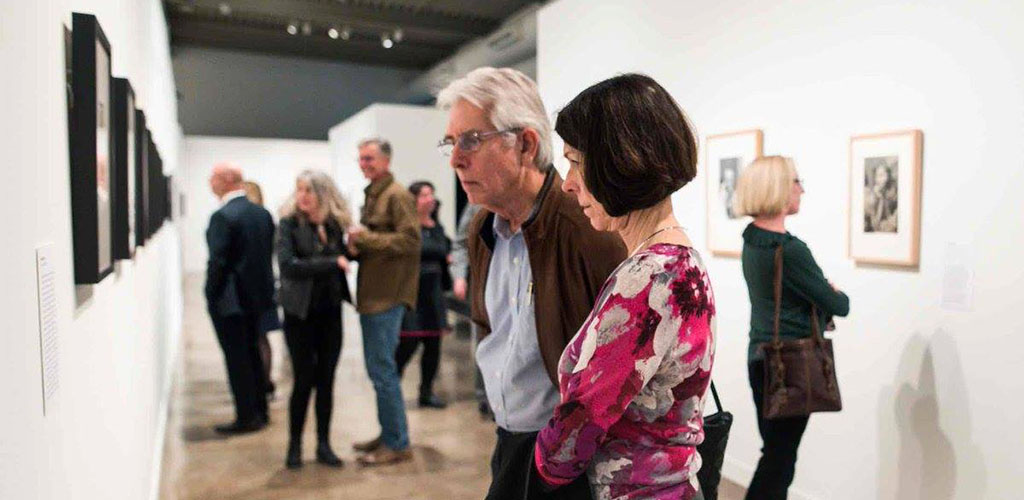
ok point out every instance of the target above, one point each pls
(645, 240)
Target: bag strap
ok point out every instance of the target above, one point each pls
(777, 292)
(714, 393)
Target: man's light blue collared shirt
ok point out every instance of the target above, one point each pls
(518, 388)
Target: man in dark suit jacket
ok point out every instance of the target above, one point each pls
(239, 287)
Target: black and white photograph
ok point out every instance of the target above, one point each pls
(885, 198)
(881, 194)
(91, 147)
(124, 169)
(726, 155)
(729, 169)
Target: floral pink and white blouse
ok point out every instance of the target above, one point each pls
(633, 382)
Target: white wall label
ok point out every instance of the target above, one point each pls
(958, 278)
(48, 333)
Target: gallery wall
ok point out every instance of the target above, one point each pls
(271, 163)
(102, 432)
(929, 392)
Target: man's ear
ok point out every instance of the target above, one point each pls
(531, 145)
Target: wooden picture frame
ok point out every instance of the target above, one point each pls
(725, 157)
(91, 140)
(884, 205)
(124, 128)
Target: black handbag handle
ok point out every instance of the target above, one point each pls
(714, 394)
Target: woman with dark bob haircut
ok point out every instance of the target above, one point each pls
(633, 379)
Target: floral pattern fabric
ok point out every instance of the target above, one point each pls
(633, 382)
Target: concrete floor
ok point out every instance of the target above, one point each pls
(451, 447)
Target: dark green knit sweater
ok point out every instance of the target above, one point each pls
(803, 284)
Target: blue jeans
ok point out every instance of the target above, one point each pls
(380, 339)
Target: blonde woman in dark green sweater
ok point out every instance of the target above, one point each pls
(769, 191)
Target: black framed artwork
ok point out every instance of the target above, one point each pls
(124, 169)
(154, 205)
(141, 174)
(91, 147)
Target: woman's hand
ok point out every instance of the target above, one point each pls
(343, 263)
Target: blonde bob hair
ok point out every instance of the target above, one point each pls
(764, 187)
(332, 204)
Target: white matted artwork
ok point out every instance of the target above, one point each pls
(884, 222)
(726, 155)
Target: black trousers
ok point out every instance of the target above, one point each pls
(314, 344)
(781, 438)
(428, 363)
(512, 477)
(238, 336)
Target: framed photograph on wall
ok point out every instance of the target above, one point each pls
(124, 169)
(157, 191)
(884, 223)
(91, 140)
(141, 174)
(726, 155)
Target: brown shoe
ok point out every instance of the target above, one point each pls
(384, 456)
(368, 446)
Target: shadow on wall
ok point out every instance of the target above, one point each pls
(925, 447)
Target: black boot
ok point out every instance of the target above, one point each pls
(326, 456)
(429, 400)
(294, 459)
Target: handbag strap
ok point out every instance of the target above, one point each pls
(777, 292)
(714, 393)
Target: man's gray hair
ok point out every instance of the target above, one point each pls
(510, 100)
(382, 144)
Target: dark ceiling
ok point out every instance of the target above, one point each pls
(422, 32)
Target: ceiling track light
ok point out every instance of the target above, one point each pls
(224, 8)
(398, 35)
(292, 28)
(346, 32)
(385, 40)
(333, 33)
(307, 28)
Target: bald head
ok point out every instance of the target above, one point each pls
(225, 178)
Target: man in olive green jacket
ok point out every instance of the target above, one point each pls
(387, 246)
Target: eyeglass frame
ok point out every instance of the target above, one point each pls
(447, 145)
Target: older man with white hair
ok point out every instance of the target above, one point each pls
(536, 263)
(239, 288)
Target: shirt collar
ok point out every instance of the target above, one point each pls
(231, 195)
(377, 187)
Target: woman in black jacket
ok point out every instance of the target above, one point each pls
(428, 322)
(312, 257)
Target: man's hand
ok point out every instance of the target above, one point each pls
(354, 233)
(459, 288)
(343, 263)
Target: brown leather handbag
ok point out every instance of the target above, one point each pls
(800, 376)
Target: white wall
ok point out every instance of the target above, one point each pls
(102, 435)
(413, 132)
(929, 394)
(272, 163)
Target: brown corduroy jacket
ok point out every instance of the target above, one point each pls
(389, 249)
(569, 260)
